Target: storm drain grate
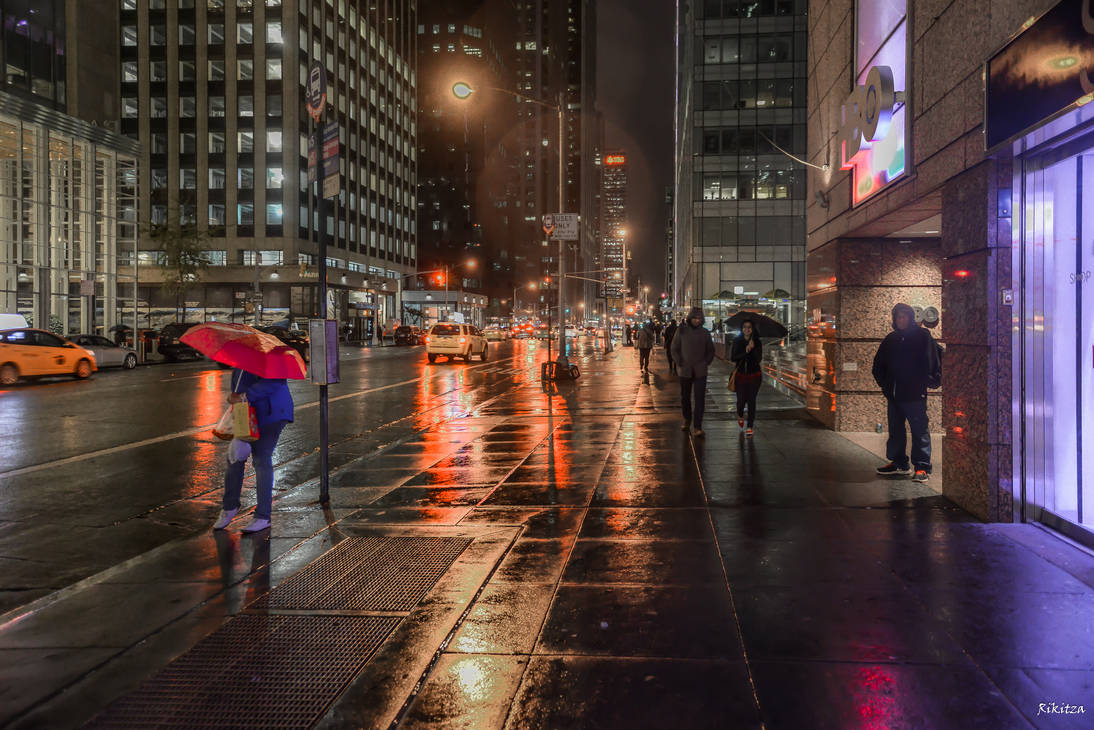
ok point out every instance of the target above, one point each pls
(391, 576)
(255, 672)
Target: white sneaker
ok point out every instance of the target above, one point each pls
(257, 525)
(226, 516)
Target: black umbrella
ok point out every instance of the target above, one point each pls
(120, 328)
(766, 328)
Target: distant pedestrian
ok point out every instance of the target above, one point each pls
(693, 350)
(907, 363)
(658, 328)
(747, 354)
(273, 406)
(644, 340)
(670, 330)
(627, 335)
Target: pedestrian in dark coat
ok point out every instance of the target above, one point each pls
(747, 354)
(644, 341)
(907, 362)
(693, 350)
(273, 407)
(670, 330)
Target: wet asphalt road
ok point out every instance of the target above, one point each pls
(106, 469)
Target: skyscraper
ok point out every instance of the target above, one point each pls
(740, 207)
(467, 176)
(556, 54)
(613, 200)
(214, 89)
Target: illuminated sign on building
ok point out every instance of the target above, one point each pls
(615, 160)
(873, 134)
(1044, 71)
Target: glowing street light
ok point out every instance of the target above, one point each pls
(462, 90)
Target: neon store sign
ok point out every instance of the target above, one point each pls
(613, 160)
(873, 132)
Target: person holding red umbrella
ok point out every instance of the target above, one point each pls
(261, 365)
(273, 407)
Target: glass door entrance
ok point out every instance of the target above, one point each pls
(1057, 352)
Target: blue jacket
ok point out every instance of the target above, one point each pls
(270, 397)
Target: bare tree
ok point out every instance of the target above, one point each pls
(182, 254)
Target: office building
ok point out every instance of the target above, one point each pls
(740, 121)
(613, 234)
(467, 149)
(214, 90)
(68, 181)
(556, 53)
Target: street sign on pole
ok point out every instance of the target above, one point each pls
(548, 224)
(313, 158)
(316, 92)
(565, 226)
(330, 160)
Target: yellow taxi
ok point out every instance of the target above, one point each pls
(29, 353)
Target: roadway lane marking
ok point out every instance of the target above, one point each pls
(193, 431)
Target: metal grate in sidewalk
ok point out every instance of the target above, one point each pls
(368, 574)
(256, 671)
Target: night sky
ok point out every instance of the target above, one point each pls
(635, 89)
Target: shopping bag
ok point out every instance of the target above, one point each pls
(223, 429)
(238, 450)
(244, 421)
(732, 384)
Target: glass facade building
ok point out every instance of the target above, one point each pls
(740, 208)
(33, 53)
(68, 220)
(214, 89)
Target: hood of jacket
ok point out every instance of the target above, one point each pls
(902, 307)
(696, 312)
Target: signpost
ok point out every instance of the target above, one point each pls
(316, 102)
(564, 226)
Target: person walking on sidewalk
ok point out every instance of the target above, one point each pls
(273, 406)
(670, 330)
(693, 350)
(907, 363)
(644, 341)
(747, 354)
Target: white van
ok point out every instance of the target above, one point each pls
(12, 321)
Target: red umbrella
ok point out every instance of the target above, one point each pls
(246, 348)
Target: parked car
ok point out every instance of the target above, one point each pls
(107, 352)
(170, 346)
(456, 340)
(29, 353)
(296, 339)
(495, 334)
(407, 335)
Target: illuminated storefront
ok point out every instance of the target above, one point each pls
(68, 212)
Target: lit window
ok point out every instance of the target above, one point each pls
(246, 106)
(273, 105)
(216, 178)
(129, 71)
(216, 142)
(245, 216)
(216, 70)
(188, 106)
(246, 178)
(246, 69)
(273, 32)
(187, 71)
(245, 141)
(129, 4)
(129, 35)
(158, 70)
(158, 35)
(273, 141)
(188, 179)
(159, 107)
(273, 69)
(273, 214)
(274, 177)
(188, 143)
(216, 34)
(216, 106)
(245, 33)
(129, 107)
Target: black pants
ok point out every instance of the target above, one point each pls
(672, 363)
(644, 358)
(915, 413)
(698, 387)
(747, 388)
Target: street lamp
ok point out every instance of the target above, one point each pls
(463, 91)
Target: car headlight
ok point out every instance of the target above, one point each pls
(89, 352)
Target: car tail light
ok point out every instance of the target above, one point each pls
(463, 340)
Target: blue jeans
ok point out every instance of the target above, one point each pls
(915, 413)
(698, 386)
(262, 456)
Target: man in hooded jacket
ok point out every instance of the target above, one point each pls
(906, 364)
(693, 350)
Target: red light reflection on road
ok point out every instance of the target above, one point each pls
(874, 689)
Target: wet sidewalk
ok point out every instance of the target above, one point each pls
(574, 559)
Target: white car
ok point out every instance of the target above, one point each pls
(107, 353)
(455, 340)
(495, 334)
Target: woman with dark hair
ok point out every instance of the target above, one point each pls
(747, 354)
